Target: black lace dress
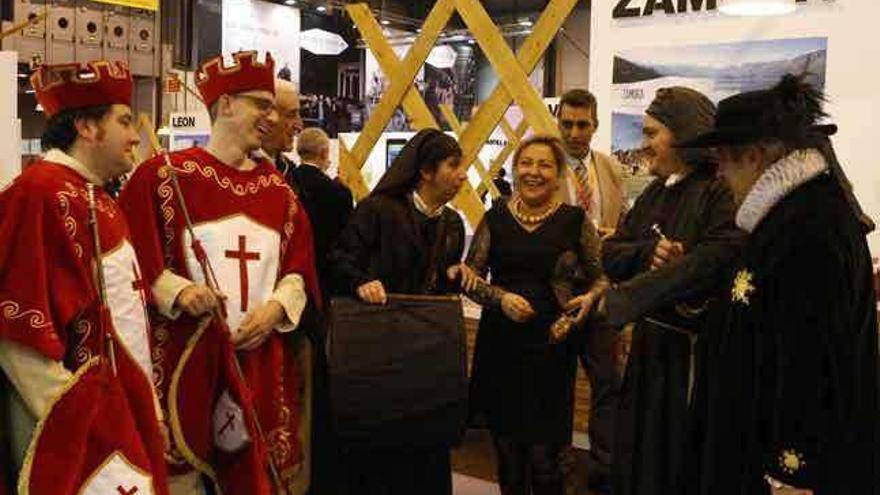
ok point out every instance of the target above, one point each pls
(521, 382)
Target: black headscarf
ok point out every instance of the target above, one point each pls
(426, 149)
(687, 113)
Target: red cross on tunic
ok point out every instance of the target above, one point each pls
(243, 257)
(229, 424)
(131, 491)
(138, 284)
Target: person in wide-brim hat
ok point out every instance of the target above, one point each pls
(789, 399)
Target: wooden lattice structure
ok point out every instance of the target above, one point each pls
(514, 87)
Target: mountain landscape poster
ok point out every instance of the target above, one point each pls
(717, 70)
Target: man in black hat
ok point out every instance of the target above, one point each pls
(790, 398)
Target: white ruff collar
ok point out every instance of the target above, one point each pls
(777, 182)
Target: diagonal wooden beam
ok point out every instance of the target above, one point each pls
(514, 136)
(401, 80)
(351, 175)
(468, 201)
(514, 85)
(529, 54)
(485, 178)
(413, 104)
(511, 74)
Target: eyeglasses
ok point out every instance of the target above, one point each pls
(264, 105)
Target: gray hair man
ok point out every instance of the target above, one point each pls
(289, 124)
(313, 148)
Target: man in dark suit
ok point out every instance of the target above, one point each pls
(327, 201)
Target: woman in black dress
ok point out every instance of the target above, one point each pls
(538, 253)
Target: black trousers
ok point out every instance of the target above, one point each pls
(528, 468)
(598, 357)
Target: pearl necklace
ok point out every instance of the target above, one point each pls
(532, 219)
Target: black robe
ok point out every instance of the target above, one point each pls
(668, 306)
(792, 383)
(389, 240)
(329, 205)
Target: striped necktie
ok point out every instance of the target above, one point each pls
(586, 181)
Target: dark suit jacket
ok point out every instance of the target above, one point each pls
(329, 205)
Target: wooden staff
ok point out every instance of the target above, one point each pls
(99, 277)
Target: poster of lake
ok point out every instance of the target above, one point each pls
(716, 70)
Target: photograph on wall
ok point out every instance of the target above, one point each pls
(717, 70)
(377, 82)
(450, 79)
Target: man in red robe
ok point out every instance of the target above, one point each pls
(77, 356)
(258, 242)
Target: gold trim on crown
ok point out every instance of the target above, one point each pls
(203, 74)
(75, 72)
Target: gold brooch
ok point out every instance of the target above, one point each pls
(791, 461)
(742, 287)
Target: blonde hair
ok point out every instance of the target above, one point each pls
(312, 142)
(552, 142)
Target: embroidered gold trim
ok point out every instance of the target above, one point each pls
(742, 287)
(791, 461)
(292, 210)
(70, 224)
(280, 439)
(280, 446)
(160, 339)
(203, 75)
(224, 218)
(12, 311)
(24, 477)
(134, 468)
(251, 187)
(73, 72)
(82, 353)
(177, 436)
(166, 194)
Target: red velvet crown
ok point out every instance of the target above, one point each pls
(74, 85)
(247, 73)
